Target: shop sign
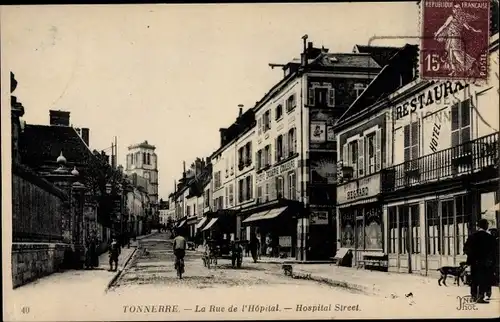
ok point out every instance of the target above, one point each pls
(277, 170)
(359, 189)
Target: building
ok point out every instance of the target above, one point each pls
(362, 137)
(142, 160)
(443, 173)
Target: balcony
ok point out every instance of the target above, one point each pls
(467, 158)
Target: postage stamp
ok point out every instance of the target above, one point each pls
(455, 39)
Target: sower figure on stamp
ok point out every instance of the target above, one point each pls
(114, 253)
(452, 34)
(480, 248)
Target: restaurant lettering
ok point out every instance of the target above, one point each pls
(435, 94)
(290, 165)
(358, 193)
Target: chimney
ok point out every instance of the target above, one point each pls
(59, 118)
(85, 135)
(241, 110)
(184, 169)
(303, 56)
(222, 135)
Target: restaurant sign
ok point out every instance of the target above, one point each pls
(277, 170)
(359, 189)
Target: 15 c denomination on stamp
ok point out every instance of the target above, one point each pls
(455, 39)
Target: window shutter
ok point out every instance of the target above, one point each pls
(275, 150)
(345, 156)
(310, 97)
(285, 146)
(378, 150)
(331, 97)
(361, 156)
(295, 140)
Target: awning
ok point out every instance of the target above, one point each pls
(210, 224)
(202, 221)
(181, 223)
(263, 215)
(358, 202)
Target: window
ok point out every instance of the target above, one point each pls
(194, 209)
(370, 153)
(267, 155)
(149, 159)
(393, 229)
(359, 88)
(226, 190)
(433, 228)
(321, 96)
(460, 126)
(463, 211)
(227, 166)
(291, 103)
(267, 192)
(231, 195)
(131, 159)
(259, 193)
(292, 141)
(143, 157)
(279, 187)
(207, 198)
(188, 211)
(240, 190)
(292, 183)
(279, 111)
(447, 227)
(248, 154)
(248, 188)
(279, 148)
(411, 133)
(259, 125)
(217, 182)
(353, 156)
(258, 159)
(266, 120)
(241, 158)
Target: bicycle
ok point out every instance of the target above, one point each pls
(179, 267)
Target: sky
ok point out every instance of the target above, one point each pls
(173, 74)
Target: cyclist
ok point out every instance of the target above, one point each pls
(180, 245)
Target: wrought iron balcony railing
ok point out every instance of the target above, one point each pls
(467, 158)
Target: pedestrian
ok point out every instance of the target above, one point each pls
(480, 248)
(114, 253)
(254, 246)
(494, 279)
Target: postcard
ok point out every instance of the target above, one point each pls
(250, 161)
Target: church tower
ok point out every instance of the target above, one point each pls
(142, 161)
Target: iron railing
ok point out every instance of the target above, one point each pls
(467, 158)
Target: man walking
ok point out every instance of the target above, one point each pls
(480, 248)
(114, 253)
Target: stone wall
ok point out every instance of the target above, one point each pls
(31, 261)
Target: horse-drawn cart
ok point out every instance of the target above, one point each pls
(223, 249)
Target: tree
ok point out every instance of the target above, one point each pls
(97, 176)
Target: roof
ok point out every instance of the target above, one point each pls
(346, 60)
(384, 83)
(144, 144)
(381, 54)
(42, 144)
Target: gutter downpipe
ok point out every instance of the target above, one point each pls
(302, 192)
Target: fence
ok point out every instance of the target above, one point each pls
(37, 208)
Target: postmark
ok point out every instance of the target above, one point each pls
(455, 39)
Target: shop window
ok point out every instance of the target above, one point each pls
(347, 228)
(462, 208)
(403, 229)
(433, 228)
(360, 232)
(393, 229)
(447, 227)
(373, 229)
(292, 182)
(460, 127)
(279, 111)
(415, 229)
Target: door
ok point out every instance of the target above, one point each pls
(448, 233)
(415, 241)
(404, 239)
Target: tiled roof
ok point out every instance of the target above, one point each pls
(381, 54)
(42, 144)
(351, 60)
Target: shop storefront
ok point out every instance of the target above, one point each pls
(275, 225)
(220, 225)
(191, 227)
(360, 220)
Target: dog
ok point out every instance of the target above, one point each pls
(456, 271)
(287, 269)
